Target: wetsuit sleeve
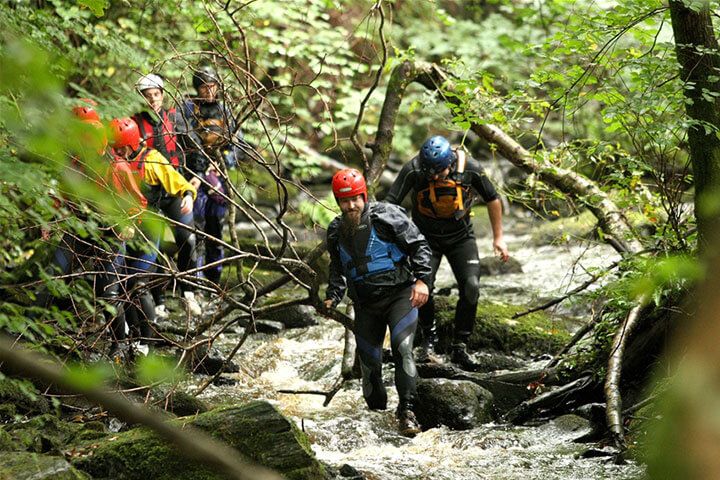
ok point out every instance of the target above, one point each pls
(337, 283)
(162, 172)
(402, 184)
(398, 227)
(480, 181)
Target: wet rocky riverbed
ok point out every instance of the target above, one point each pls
(346, 433)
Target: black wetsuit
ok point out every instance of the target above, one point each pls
(378, 267)
(452, 237)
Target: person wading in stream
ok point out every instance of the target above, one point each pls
(382, 260)
(444, 182)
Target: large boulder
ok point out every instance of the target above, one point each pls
(295, 316)
(490, 266)
(460, 405)
(48, 434)
(496, 330)
(257, 430)
(32, 466)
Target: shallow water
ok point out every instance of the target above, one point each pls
(346, 432)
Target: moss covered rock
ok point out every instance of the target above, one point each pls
(495, 329)
(32, 466)
(49, 434)
(256, 429)
(19, 397)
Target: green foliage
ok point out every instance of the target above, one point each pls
(156, 369)
(319, 212)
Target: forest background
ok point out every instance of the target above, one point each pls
(590, 90)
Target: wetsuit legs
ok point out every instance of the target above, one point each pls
(184, 238)
(210, 218)
(465, 264)
(371, 323)
(464, 261)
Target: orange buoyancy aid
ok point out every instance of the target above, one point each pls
(443, 199)
(168, 146)
(213, 132)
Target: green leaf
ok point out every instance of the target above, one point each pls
(97, 7)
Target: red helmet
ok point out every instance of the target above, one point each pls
(124, 131)
(348, 183)
(86, 110)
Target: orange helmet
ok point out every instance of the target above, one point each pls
(348, 182)
(86, 111)
(124, 131)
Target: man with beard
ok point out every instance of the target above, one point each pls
(382, 260)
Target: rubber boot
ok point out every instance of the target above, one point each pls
(426, 349)
(460, 356)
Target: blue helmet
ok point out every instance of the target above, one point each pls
(436, 155)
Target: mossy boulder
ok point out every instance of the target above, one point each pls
(19, 397)
(257, 430)
(495, 329)
(32, 466)
(49, 434)
(460, 405)
(182, 404)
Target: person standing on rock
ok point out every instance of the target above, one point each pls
(382, 260)
(444, 182)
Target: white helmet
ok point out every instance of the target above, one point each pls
(150, 81)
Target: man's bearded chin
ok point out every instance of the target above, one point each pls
(351, 220)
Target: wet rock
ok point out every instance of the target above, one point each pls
(460, 405)
(32, 466)
(263, 326)
(506, 394)
(351, 473)
(208, 361)
(296, 316)
(257, 430)
(182, 404)
(494, 266)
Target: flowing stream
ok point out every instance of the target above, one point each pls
(346, 432)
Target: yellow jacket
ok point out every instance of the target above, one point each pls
(157, 172)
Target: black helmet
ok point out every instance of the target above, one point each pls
(203, 75)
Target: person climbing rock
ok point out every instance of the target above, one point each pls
(380, 258)
(444, 181)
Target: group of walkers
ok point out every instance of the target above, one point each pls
(170, 163)
(387, 264)
(162, 163)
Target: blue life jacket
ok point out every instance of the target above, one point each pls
(366, 254)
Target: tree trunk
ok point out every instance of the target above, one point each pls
(697, 52)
